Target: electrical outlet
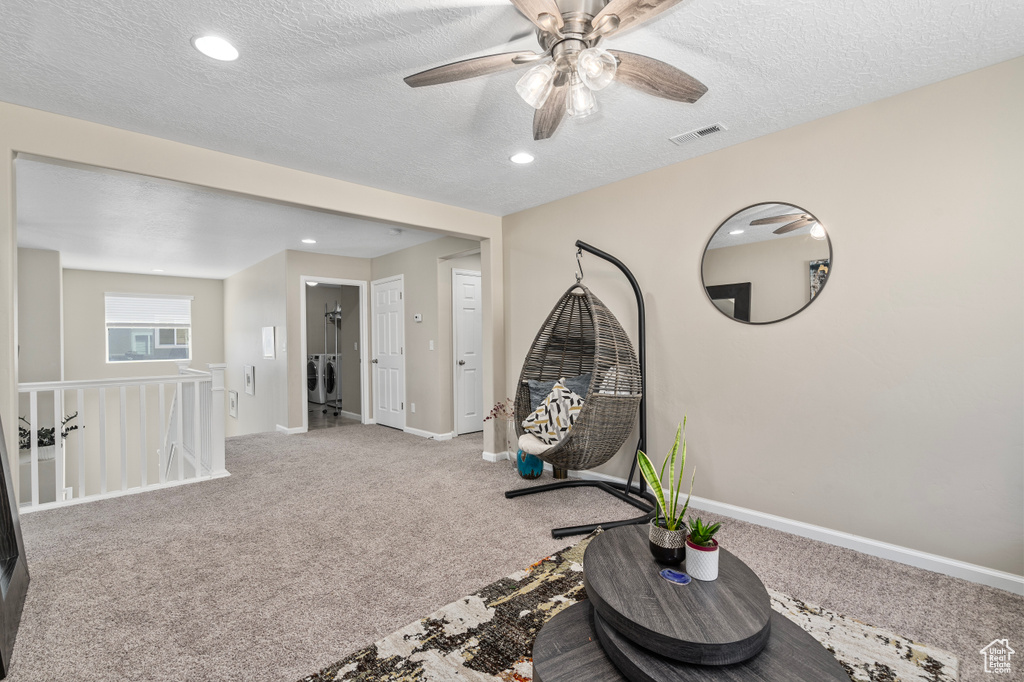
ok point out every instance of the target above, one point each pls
(412, 407)
(431, 344)
(355, 346)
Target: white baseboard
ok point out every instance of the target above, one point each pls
(428, 434)
(118, 493)
(370, 420)
(351, 415)
(904, 555)
(290, 432)
(495, 456)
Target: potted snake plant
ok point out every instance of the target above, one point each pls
(667, 533)
(702, 550)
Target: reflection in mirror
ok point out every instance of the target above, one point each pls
(766, 263)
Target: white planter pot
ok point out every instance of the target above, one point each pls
(45, 454)
(702, 562)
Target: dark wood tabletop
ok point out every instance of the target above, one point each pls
(720, 622)
(791, 655)
(567, 650)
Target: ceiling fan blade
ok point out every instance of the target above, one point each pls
(779, 219)
(538, 12)
(657, 78)
(632, 12)
(547, 118)
(468, 68)
(796, 225)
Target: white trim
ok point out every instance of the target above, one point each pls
(401, 297)
(364, 346)
(455, 335)
(495, 456)
(350, 415)
(291, 432)
(904, 555)
(118, 493)
(428, 434)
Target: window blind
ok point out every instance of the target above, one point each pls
(140, 310)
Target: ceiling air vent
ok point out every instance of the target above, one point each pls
(683, 138)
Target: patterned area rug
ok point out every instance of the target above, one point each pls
(488, 636)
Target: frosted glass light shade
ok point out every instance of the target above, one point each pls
(596, 67)
(581, 101)
(535, 85)
(818, 232)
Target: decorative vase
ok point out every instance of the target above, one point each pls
(702, 562)
(529, 466)
(667, 546)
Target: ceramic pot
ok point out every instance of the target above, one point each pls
(702, 562)
(667, 546)
(529, 466)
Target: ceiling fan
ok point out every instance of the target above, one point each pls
(571, 65)
(794, 221)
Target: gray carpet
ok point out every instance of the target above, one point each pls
(322, 543)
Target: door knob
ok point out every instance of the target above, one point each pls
(374, 361)
(462, 362)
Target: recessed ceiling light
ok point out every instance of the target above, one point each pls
(215, 48)
(311, 284)
(736, 232)
(521, 157)
(309, 241)
(157, 270)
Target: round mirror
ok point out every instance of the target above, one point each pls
(766, 263)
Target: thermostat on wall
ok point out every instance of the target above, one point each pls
(418, 317)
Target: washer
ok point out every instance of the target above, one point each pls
(332, 378)
(314, 379)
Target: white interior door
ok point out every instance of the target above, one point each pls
(468, 345)
(389, 353)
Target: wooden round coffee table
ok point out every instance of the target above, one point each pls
(720, 622)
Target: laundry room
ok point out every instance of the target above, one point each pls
(332, 354)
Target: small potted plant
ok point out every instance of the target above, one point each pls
(702, 550)
(46, 438)
(668, 531)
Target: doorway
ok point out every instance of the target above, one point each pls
(388, 311)
(467, 346)
(334, 347)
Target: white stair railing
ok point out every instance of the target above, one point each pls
(190, 436)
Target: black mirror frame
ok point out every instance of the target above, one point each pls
(711, 297)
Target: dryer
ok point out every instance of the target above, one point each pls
(315, 379)
(332, 379)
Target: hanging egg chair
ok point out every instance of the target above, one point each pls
(581, 336)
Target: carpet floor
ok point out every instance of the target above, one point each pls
(320, 544)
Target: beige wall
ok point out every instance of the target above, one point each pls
(255, 298)
(299, 264)
(40, 298)
(24, 130)
(347, 297)
(892, 407)
(778, 271)
(85, 342)
(424, 380)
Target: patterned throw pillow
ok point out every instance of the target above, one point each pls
(556, 415)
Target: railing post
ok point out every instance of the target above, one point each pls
(217, 464)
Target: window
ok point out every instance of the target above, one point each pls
(144, 328)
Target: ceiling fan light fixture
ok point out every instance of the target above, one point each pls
(581, 101)
(818, 232)
(536, 84)
(596, 67)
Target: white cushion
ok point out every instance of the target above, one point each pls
(532, 445)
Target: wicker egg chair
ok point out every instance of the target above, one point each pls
(582, 336)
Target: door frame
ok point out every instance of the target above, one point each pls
(373, 284)
(455, 359)
(364, 391)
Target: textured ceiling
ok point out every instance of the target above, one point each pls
(119, 222)
(755, 233)
(319, 85)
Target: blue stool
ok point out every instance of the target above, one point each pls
(529, 466)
